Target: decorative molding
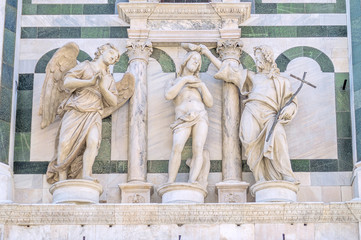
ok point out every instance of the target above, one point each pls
(139, 49)
(249, 213)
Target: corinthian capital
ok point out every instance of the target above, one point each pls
(139, 49)
(229, 49)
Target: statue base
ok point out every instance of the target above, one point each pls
(76, 191)
(182, 193)
(6, 184)
(275, 191)
(232, 192)
(136, 192)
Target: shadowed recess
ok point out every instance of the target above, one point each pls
(321, 58)
(43, 61)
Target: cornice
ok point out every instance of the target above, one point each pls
(346, 212)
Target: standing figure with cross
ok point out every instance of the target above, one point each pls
(269, 105)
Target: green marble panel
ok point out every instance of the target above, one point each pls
(343, 124)
(284, 31)
(311, 52)
(5, 106)
(82, 56)
(157, 166)
(30, 167)
(325, 63)
(118, 32)
(323, 165)
(98, 9)
(356, 30)
(10, 18)
(4, 141)
(13, 3)
(26, 81)
(165, 61)
(95, 32)
(293, 53)
(70, 32)
(357, 76)
(120, 167)
(104, 150)
(43, 61)
(342, 96)
(187, 152)
(122, 65)
(76, 9)
(356, 53)
(205, 60)
(25, 100)
(254, 32)
(290, 8)
(9, 50)
(29, 9)
(311, 31)
(358, 132)
(282, 62)
(340, 6)
(48, 32)
(245, 167)
(337, 31)
(22, 147)
(101, 167)
(183, 167)
(106, 130)
(300, 165)
(49, 9)
(27, 1)
(262, 8)
(248, 62)
(23, 120)
(216, 166)
(344, 148)
(320, 8)
(29, 32)
(7, 76)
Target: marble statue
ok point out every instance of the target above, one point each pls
(81, 95)
(266, 93)
(190, 96)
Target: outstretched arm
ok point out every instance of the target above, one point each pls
(205, 51)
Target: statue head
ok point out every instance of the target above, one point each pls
(109, 53)
(264, 59)
(191, 63)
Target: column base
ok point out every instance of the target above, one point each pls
(76, 191)
(232, 192)
(275, 191)
(182, 193)
(136, 192)
(6, 184)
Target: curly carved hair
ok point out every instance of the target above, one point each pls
(268, 55)
(185, 61)
(105, 47)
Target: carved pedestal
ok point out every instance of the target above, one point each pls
(6, 184)
(182, 193)
(232, 192)
(275, 191)
(136, 192)
(77, 191)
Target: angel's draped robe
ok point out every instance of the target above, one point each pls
(268, 159)
(82, 110)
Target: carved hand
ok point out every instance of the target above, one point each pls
(287, 113)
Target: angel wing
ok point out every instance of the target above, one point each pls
(125, 89)
(53, 93)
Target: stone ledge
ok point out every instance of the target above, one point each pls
(156, 214)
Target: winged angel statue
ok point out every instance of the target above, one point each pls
(81, 95)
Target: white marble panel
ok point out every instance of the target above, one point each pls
(27, 66)
(312, 134)
(81, 232)
(280, 45)
(236, 232)
(309, 194)
(331, 178)
(304, 178)
(346, 193)
(28, 181)
(297, 231)
(357, 95)
(28, 195)
(72, 20)
(15, 232)
(336, 231)
(42, 140)
(331, 194)
(295, 19)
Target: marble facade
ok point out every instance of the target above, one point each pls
(306, 35)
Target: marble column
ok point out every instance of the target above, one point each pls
(354, 41)
(232, 189)
(137, 190)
